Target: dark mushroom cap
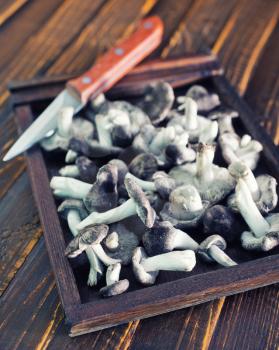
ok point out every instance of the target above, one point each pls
(87, 169)
(103, 194)
(92, 148)
(164, 184)
(268, 197)
(144, 166)
(72, 204)
(158, 100)
(122, 169)
(207, 243)
(221, 220)
(270, 241)
(141, 275)
(177, 154)
(159, 239)
(121, 136)
(115, 288)
(144, 210)
(92, 234)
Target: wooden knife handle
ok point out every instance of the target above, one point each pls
(118, 61)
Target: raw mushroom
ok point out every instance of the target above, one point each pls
(177, 154)
(262, 188)
(70, 156)
(224, 116)
(146, 269)
(185, 207)
(200, 129)
(127, 242)
(223, 221)
(163, 238)
(67, 187)
(91, 236)
(162, 183)
(67, 127)
(212, 250)
(144, 166)
(84, 168)
(103, 195)
(112, 241)
(73, 211)
(213, 182)
(158, 100)
(122, 170)
(138, 204)
(92, 148)
(114, 286)
(205, 100)
(263, 230)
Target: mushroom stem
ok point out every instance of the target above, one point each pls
(101, 254)
(71, 156)
(104, 133)
(225, 125)
(67, 187)
(113, 273)
(173, 261)
(183, 241)
(248, 209)
(204, 163)
(190, 112)
(69, 171)
(73, 219)
(145, 185)
(112, 241)
(220, 256)
(163, 138)
(119, 213)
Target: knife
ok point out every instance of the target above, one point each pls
(107, 70)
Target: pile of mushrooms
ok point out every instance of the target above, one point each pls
(140, 177)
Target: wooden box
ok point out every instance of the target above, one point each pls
(85, 311)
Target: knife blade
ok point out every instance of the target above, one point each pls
(107, 70)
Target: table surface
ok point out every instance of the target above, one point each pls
(55, 37)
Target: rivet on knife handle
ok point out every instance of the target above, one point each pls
(112, 66)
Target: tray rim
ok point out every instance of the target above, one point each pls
(90, 316)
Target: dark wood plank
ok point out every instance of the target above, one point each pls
(9, 8)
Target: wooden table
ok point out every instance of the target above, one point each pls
(55, 37)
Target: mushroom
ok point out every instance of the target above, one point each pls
(185, 207)
(144, 166)
(262, 188)
(221, 220)
(205, 100)
(71, 156)
(103, 195)
(127, 242)
(157, 102)
(146, 269)
(212, 250)
(112, 241)
(177, 154)
(92, 148)
(163, 238)
(263, 230)
(137, 204)
(213, 182)
(224, 116)
(122, 170)
(114, 286)
(162, 183)
(200, 129)
(84, 169)
(91, 236)
(67, 187)
(73, 211)
(67, 127)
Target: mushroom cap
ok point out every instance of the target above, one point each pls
(72, 204)
(127, 242)
(144, 138)
(116, 288)
(141, 275)
(158, 100)
(103, 194)
(159, 239)
(144, 166)
(164, 183)
(87, 169)
(221, 220)
(223, 112)
(81, 128)
(207, 243)
(179, 154)
(122, 169)
(92, 234)
(205, 100)
(92, 148)
(144, 210)
(121, 136)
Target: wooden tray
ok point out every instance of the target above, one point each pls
(85, 310)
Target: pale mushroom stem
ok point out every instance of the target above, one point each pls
(67, 187)
(252, 147)
(113, 273)
(225, 125)
(145, 185)
(69, 171)
(183, 241)
(119, 213)
(101, 254)
(162, 139)
(220, 256)
(64, 121)
(71, 156)
(73, 219)
(173, 261)
(104, 133)
(204, 164)
(190, 113)
(248, 209)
